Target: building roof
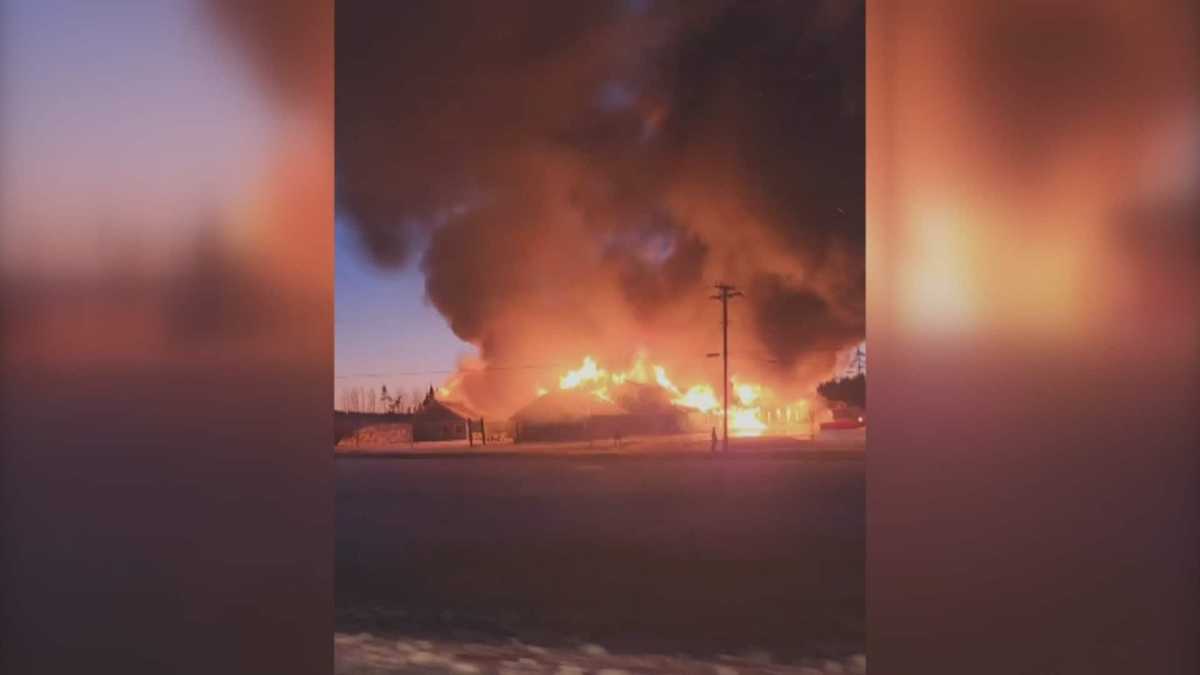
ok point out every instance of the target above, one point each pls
(565, 406)
(436, 408)
(644, 399)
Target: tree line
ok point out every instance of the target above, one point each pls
(848, 390)
(370, 400)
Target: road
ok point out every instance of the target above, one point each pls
(661, 554)
(849, 443)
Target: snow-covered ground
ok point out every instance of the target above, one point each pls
(364, 654)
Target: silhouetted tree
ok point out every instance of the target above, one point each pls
(353, 400)
(849, 390)
(396, 403)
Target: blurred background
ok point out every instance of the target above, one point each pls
(166, 266)
(1032, 285)
(168, 163)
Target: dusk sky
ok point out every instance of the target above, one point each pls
(533, 183)
(383, 325)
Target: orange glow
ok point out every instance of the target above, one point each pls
(747, 416)
(940, 293)
(638, 372)
(598, 381)
(588, 372)
(747, 394)
(660, 376)
(746, 422)
(448, 390)
(699, 397)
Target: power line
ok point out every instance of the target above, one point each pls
(449, 372)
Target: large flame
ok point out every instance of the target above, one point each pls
(588, 372)
(746, 421)
(660, 376)
(747, 394)
(699, 397)
(747, 415)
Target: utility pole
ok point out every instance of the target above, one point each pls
(724, 293)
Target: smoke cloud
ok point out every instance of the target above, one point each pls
(572, 178)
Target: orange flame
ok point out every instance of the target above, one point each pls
(746, 422)
(588, 372)
(747, 394)
(747, 417)
(699, 397)
(660, 376)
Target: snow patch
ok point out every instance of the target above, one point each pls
(363, 654)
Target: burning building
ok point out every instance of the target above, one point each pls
(570, 416)
(592, 403)
(573, 180)
(576, 414)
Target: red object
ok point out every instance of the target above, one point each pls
(841, 424)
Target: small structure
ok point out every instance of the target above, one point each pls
(438, 420)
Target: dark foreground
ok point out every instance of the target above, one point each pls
(661, 555)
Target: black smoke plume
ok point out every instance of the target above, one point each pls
(573, 177)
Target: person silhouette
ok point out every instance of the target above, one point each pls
(714, 439)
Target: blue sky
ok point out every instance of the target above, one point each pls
(383, 325)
